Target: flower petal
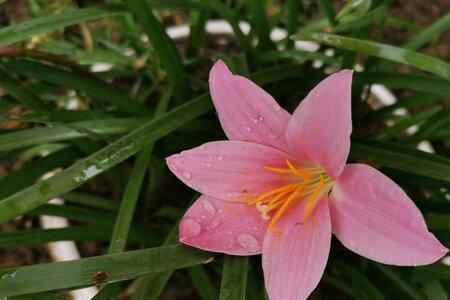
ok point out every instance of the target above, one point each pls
(223, 226)
(229, 170)
(321, 125)
(295, 255)
(372, 216)
(246, 111)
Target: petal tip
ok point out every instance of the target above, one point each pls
(219, 69)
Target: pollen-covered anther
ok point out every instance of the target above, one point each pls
(311, 180)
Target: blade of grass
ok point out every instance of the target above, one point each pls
(15, 181)
(128, 204)
(400, 282)
(433, 125)
(98, 269)
(83, 171)
(372, 17)
(36, 136)
(401, 158)
(78, 81)
(233, 18)
(24, 30)
(326, 9)
(401, 126)
(202, 282)
(16, 89)
(396, 54)
(149, 287)
(407, 102)
(260, 24)
(164, 47)
(234, 278)
(73, 233)
(426, 84)
(423, 37)
(91, 201)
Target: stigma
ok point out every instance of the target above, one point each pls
(307, 183)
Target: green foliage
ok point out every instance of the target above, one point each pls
(104, 134)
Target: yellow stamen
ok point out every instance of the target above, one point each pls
(285, 205)
(310, 180)
(312, 200)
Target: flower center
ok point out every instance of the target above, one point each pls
(310, 181)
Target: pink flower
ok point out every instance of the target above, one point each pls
(280, 186)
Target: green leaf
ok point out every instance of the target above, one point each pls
(438, 221)
(407, 123)
(433, 125)
(24, 30)
(202, 282)
(260, 24)
(403, 56)
(426, 84)
(164, 48)
(98, 269)
(82, 82)
(35, 136)
(15, 181)
(73, 233)
(16, 89)
(327, 9)
(365, 20)
(77, 174)
(363, 286)
(91, 201)
(401, 158)
(399, 281)
(233, 18)
(234, 278)
(422, 38)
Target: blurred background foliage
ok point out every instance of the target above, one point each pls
(95, 94)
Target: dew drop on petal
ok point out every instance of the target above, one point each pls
(271, 135)
(229, 232)
(248, 241)
(220, 157)
(202, 147)
(214, 223)
(187, 175)
(258, 119)
(276, 107)
(248, 129)
(209, 165)
(208, 207)
(190, 228)
(203, 217)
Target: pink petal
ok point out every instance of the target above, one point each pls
(321, 125)
(223, 226)
(246, 111)
(229, 170)
(372, 216)
(295, 255)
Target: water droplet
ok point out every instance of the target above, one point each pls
(271, 135)
(209, 165)
(255, 228)
(203, 217)
(202, 147)
(248, 241)
(208, 207)
(257, 119)
(276, 107)
(190, 228)
(219, 157)
(229, 195)
(187, 175)
(229, 232)
(248, 129)
(415, 264)
(214, 223)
